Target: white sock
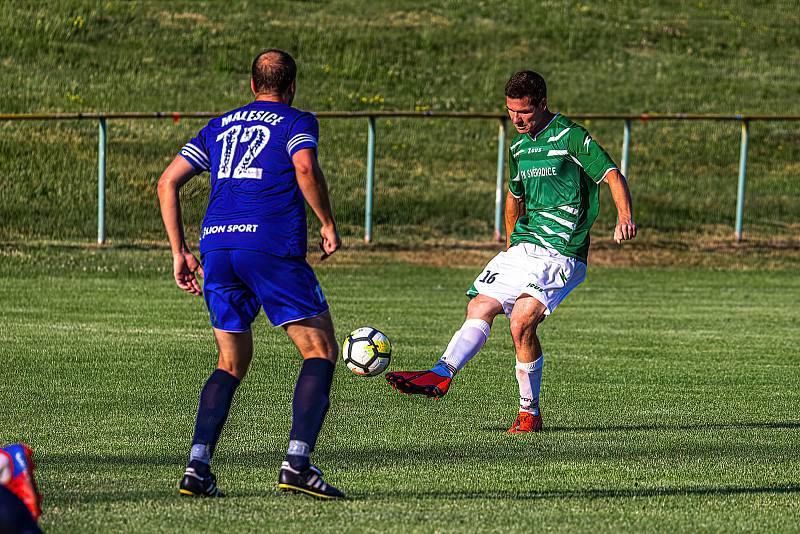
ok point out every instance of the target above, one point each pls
(529, 378)
(465, 344)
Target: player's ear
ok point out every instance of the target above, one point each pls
(253, 86)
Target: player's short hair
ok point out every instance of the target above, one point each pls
(273, 71)
(527, 83)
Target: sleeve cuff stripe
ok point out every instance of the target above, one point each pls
(299, 138)
(301, 135)
(197, 154)
(194, 147)
(196, 164)
(194, 155)
(193, 150)
(310, 142)
(305, 139)
(301, 146)
(192, 161)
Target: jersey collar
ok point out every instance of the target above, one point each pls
(545, 127)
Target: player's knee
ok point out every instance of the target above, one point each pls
(522, 329)
(319, 346)
(331, 351)
(315, 337)
(235, 362)
(237, 369)
(330, 354)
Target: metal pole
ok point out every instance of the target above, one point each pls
(370, 181)
(498, 194)
(742, 175)
(626, 147)
(101, 183)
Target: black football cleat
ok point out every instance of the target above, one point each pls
(193, 485)
(309, 482)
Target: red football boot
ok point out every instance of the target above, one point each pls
(425, 383)
(22, 483)
(526, 422)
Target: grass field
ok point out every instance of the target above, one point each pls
(670, 400)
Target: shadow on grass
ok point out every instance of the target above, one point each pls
(592, 493)
(501, 448)
(785, 425)
(264, 490)
(251, 473)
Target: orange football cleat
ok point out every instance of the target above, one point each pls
(526, 422)
(425, 383)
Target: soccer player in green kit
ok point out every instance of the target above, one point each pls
(553, 199)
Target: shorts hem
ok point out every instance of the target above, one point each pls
(294, 320)
(231, 331)
(472, 294)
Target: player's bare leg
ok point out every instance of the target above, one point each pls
(235, 354)
(463, 346)
(235, 351)
(528, 312)
(314, 338)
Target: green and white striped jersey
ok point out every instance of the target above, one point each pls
(557, 172)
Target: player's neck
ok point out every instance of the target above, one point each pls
(271, 97)
(541, 122)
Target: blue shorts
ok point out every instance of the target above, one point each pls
(239, 282)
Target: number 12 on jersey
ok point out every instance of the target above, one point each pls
(257, 136)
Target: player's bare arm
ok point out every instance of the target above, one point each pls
(184, 263)
(625, 228)
(515, 208)
(312, 183)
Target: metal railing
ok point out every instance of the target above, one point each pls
(371, 117)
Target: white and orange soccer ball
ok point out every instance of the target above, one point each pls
(367, 351)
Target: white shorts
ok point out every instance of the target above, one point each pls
(528, 269)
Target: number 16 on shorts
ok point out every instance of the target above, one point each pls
(495, 284)
(488, 278)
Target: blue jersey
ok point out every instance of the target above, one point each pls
(255, 202)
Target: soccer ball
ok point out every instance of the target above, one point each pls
(367, 351)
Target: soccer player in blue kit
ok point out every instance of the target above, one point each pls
(263, 163)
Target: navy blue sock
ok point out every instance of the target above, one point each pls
(309, 406)
(215, 402)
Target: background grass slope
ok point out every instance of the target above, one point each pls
(435, 177)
